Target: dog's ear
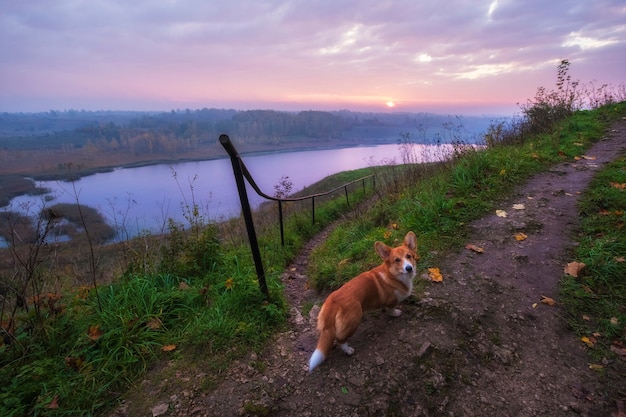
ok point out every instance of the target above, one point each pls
(382, 249)
(410, 240)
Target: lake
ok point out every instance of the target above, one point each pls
(142, 199)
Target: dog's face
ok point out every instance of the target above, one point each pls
(400, 260)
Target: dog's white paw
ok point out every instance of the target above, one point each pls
(349, 351)
(394, 312)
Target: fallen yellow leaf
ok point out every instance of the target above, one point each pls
(595, 366)
(500, 213)
(435, 275)
(547, 300)
(519, 207)
(574, 268)
(168, 348)
(94, 332)
(590, 342)
(520, 236)
(589, 158)
(229, 283)
(474, 248)
(587, 289)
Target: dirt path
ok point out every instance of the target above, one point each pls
(478, 344)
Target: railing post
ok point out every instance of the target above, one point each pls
(247, 212)
(241, 173)
(280, 216)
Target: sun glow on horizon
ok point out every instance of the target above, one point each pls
(390, 104)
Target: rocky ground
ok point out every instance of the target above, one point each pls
(480, 343)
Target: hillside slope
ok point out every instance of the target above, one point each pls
(481, 343)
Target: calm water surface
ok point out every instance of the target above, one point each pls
(142, 199)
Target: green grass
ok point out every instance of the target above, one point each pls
(199, 292)
(596, 300)
(90, 353)
(438, 207)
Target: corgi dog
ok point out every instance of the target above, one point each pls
(382, 287)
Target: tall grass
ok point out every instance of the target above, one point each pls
(92, 354)
(541, 114)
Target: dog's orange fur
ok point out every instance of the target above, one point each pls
(382, 287)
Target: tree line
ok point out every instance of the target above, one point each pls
(185, 130)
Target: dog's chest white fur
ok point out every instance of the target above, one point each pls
(406, 279)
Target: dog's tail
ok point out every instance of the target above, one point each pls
(325, 342)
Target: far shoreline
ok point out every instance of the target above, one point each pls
(20, 183)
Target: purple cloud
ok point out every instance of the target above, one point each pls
(319, 54)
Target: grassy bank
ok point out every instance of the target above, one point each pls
(72, 344)
(595, 294)
(438, 205)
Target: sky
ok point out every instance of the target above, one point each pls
(453, 56)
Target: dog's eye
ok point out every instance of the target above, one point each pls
(408, 256)
(397, 260)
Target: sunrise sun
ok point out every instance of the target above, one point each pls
(390, 104)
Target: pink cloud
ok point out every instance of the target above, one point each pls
(329, 54)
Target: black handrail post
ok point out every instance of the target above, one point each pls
(280, 215)
(241, 171)
(247, 212)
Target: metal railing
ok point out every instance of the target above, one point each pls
(240, 171)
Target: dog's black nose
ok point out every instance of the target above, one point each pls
(409, 268)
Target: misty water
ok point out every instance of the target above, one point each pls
(138, 200)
